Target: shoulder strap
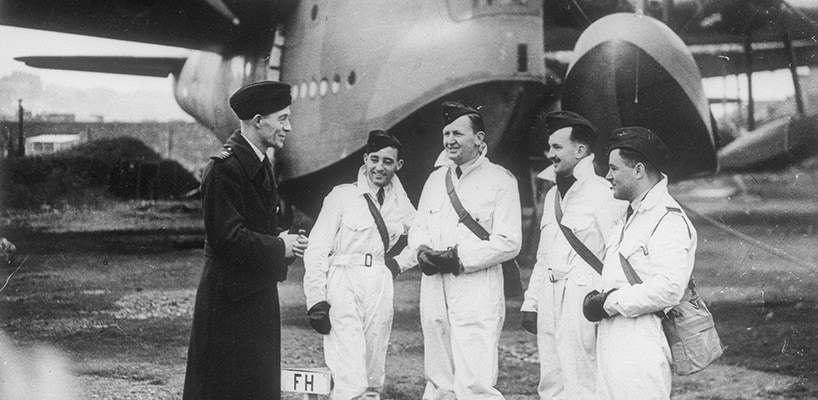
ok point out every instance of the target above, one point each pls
(379, 222)
(576, 244)
(464, 215)
(630, 273)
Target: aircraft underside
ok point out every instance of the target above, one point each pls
(509, 109)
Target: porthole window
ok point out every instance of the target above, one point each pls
(336, 83)
(351, 78)
(323, 87)
(313, 88)
(314, 12)
(303, 89)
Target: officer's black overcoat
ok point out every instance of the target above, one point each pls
(235, 344)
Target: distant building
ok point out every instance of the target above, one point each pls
(48, 144)
(56, 117)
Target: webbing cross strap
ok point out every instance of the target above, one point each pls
(511, 271)
(576, 244)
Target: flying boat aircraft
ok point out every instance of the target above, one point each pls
(360, 65)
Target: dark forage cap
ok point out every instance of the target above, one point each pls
(453, 110)
(642, 141)
(262, 98)
(556, 120)
(379, 139)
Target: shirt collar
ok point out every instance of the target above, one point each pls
(651, 196)
(585, 168)
(444, 160)
(260, 154)
(244, 152)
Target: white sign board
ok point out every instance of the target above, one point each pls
(306, 380)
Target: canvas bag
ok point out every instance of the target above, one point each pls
(688, 326)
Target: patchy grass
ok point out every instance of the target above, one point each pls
(118, 305)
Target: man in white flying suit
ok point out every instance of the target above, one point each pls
(462, 307)
(561, 278)
(659, 242)
(348, 273)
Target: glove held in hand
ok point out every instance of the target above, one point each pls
(530, 321)
(593, 307)
(426, 266)
(447, 261)
(319, 317)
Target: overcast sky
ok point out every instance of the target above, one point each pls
(18, 42)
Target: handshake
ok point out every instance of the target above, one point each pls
(438, 261)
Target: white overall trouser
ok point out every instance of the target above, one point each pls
(361, 316)
(634, 359)
(566, 341)
(462, 317)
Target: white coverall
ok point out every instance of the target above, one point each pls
(360, 296)
(634, 356)
(462, 315)
(566, 341)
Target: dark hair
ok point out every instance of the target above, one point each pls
(584, 135)
(631, 158)
(476, 122)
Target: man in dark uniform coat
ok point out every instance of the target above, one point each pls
(235, 345)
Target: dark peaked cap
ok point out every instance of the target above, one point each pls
(262, 98)
(642, 141)
(453, 110)
(379, 139)
(556, 120)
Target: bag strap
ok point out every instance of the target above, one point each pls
(576, 244)
(464, 215)
(379, 222)
(633, 277)
(630, 273)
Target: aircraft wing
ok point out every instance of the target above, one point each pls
(143, 66)
(714, 30)
(213, 25)
(726, 59)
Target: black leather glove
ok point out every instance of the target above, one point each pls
(425, 264)
(530, 321)
(593, 307)
(393, 266)
(446, 261)
(319, 317)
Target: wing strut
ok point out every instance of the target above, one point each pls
(796, 83)
(748, 58)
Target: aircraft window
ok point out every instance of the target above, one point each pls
(522, 57)
(462, 10)
(323, 87)
(294, 91)
(303, 89)
(313, 88)
(314, 12)
(351, 79)
(336, 83)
